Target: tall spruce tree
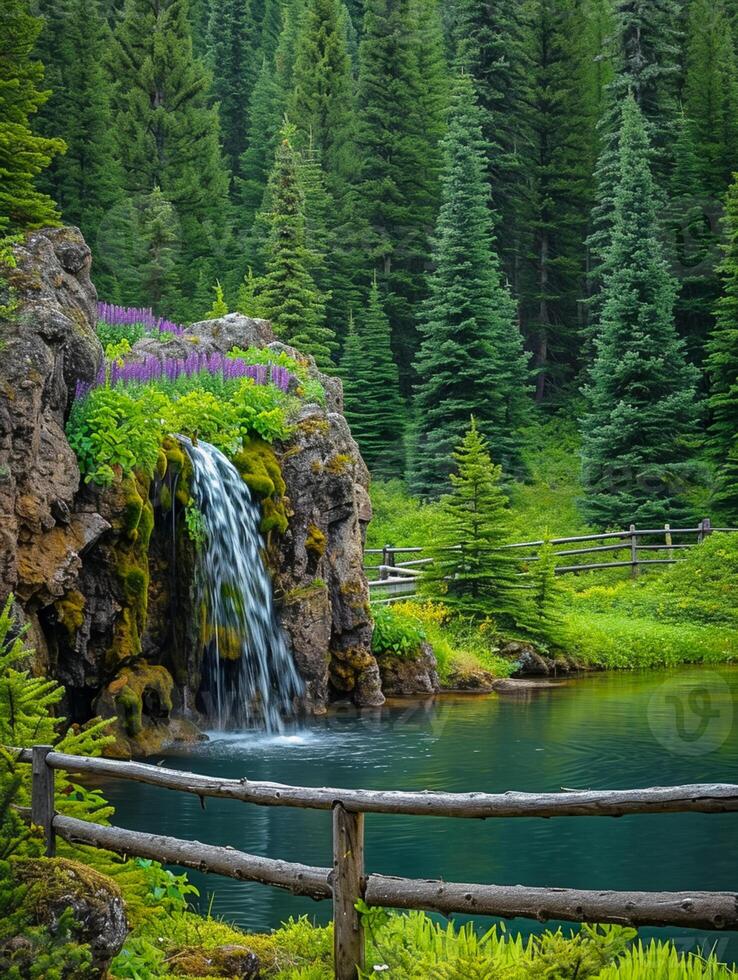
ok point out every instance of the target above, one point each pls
(642, 406)
(489, 42)
(558, 193)
(711, 94)
(722, 367)
(645, 51)
(692, 232)
(400, 159)
(469, 572)
(86, 181)
(23, 154)
(373, 404)
(265, 109)
(471, 358)
(322, 107)
(168, 133)
(232, 61)
(289, 295)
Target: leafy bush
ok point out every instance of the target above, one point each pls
(113, 333)
(120, 428)
(111, 430)
(395, 633)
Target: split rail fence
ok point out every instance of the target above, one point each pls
(392, 576)
(346, 882)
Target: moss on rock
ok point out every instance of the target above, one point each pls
(259, 468)
(315, 542)
(70, 611)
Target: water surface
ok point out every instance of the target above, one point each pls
(607, 731)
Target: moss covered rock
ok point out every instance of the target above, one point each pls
(56, 886)
(225, 961)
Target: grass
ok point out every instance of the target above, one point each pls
(413, 947)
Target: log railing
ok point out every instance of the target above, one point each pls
(346, 882)
(392, 576)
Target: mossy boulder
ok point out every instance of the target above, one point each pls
(56, 886)
(140, 700)
(225, 961)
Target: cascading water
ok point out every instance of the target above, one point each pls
(248, 673)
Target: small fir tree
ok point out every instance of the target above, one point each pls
(469, 573)
(471, 358)
(543, 616)
(722, 367)
(23, 154)
(219, 307)
(374, 407)
(642, 404)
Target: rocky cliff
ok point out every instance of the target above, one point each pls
(107, 596)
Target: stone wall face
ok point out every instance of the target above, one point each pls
(64, 547)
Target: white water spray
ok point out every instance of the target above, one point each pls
(249, 676)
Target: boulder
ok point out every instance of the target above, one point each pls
(57, 886)
(222, 961)
(406, 676)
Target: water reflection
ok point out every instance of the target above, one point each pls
(597, 732)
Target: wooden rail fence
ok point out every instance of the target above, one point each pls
(346, 882)
(391, 579)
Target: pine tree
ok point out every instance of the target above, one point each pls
(158, 237)
(231, 57)
(642, 407)
(373, 405)
(471, 358)
(322, 107)
(694, 245)
(711, 94)
(289, 295)
(23, 155)
(645, 53)
(86, 181)
(722, 367)
(265, 110)
(168, 134)
(270, 27)
(489, 40)
(558, 193)
(469, 573)
(398, 146)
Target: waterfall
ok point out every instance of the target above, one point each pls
(248, 673)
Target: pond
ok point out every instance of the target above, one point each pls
(605, 731)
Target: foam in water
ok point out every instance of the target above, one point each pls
(249, 677)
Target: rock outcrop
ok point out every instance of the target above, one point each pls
(48, 344)
(108, 595)
(410, 676)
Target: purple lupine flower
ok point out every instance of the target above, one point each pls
(128, 315)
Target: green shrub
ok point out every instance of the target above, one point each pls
(112, 431)
(114, 333)
(395, 633)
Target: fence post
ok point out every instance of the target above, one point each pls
(633, 552)
(668, 540)
(42, 795)
(348, 888)
(705, 530)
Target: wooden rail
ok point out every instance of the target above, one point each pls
(397, 579)
(346, 882)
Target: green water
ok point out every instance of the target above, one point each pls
(607, 731)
